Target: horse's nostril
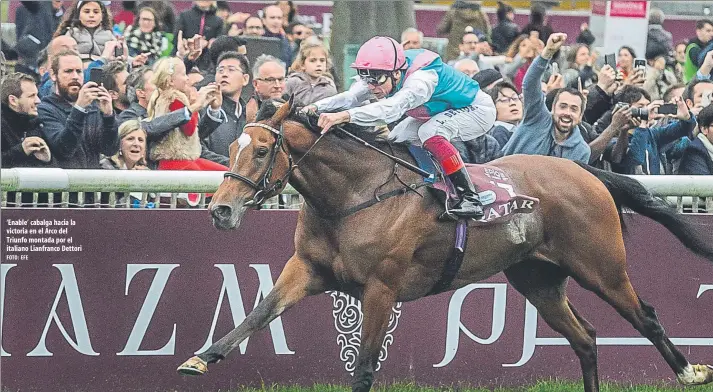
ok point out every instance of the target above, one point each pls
(221, 212)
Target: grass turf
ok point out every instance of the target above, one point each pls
(542, 386)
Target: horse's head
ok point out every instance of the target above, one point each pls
(259, 169)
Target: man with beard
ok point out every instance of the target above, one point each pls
(544, 133)
(78, 119)
(114, 80)
(232, 74)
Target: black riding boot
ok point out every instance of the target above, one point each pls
(469, 205)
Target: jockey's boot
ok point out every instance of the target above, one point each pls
(469, 205)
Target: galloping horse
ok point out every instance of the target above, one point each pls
(385, 250)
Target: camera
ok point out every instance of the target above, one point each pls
(641, 113)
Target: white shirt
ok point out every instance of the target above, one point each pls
(416, 91)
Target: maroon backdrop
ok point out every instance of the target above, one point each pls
(468, 336)
(427, 20)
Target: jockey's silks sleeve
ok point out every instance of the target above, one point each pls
(358, 92)
(417, 90)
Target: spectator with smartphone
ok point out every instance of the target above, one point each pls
(113, 77)
(78, 118)
(638, 147)
(698, 157)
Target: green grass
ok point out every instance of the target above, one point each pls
(543, 386)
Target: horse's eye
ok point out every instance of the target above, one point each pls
(262, 152)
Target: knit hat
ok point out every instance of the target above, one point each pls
(487, 77)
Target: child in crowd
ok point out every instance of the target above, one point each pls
(144, 36)
(310, 79)
(180, 149)
(90, 24)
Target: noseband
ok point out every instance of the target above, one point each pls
(263, 188)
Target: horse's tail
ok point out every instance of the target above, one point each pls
(628, 192)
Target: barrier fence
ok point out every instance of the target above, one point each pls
(187, 189)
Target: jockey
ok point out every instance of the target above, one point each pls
(440, 102)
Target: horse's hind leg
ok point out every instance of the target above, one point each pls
(543, 284)
(295, 282)
(377, 302)
(611, 283)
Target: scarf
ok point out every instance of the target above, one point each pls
(706, 143)
(145, 42)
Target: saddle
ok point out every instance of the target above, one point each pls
(496, 190)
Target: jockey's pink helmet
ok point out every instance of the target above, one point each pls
(380, 54)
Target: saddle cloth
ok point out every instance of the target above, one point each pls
(496, 190)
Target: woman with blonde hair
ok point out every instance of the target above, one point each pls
(310, 79)
(132, 149)
(180, 148)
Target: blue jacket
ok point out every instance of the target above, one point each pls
(76, 138)
(646, 144)
(696, 160)
(535, 134)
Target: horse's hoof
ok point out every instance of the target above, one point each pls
(193, 367)
(696, 375)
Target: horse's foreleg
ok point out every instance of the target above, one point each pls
(543, 284)
(377, 303)
(296, 281)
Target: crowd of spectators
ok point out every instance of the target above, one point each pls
(147, 89)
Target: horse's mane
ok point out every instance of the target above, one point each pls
(371, 135)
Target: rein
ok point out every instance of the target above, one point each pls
(263, 188)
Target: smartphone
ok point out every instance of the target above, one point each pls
(640, 64)
(118, 50)
(555, 69)
(610, 60)
(669, 108)
(96, 75)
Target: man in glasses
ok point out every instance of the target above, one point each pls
(441, 103)
(508, 104)
(269, 76)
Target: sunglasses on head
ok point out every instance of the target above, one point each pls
(374, 78)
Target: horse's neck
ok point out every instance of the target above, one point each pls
(338, 174)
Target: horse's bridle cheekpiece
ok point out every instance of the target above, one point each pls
(263, 188)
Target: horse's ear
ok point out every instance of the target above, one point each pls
(283, 111)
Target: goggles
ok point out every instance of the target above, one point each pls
(374, 78)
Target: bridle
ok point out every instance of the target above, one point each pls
(263, 188)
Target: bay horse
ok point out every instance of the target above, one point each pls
(393, 249)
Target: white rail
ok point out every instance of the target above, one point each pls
(687, 192)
